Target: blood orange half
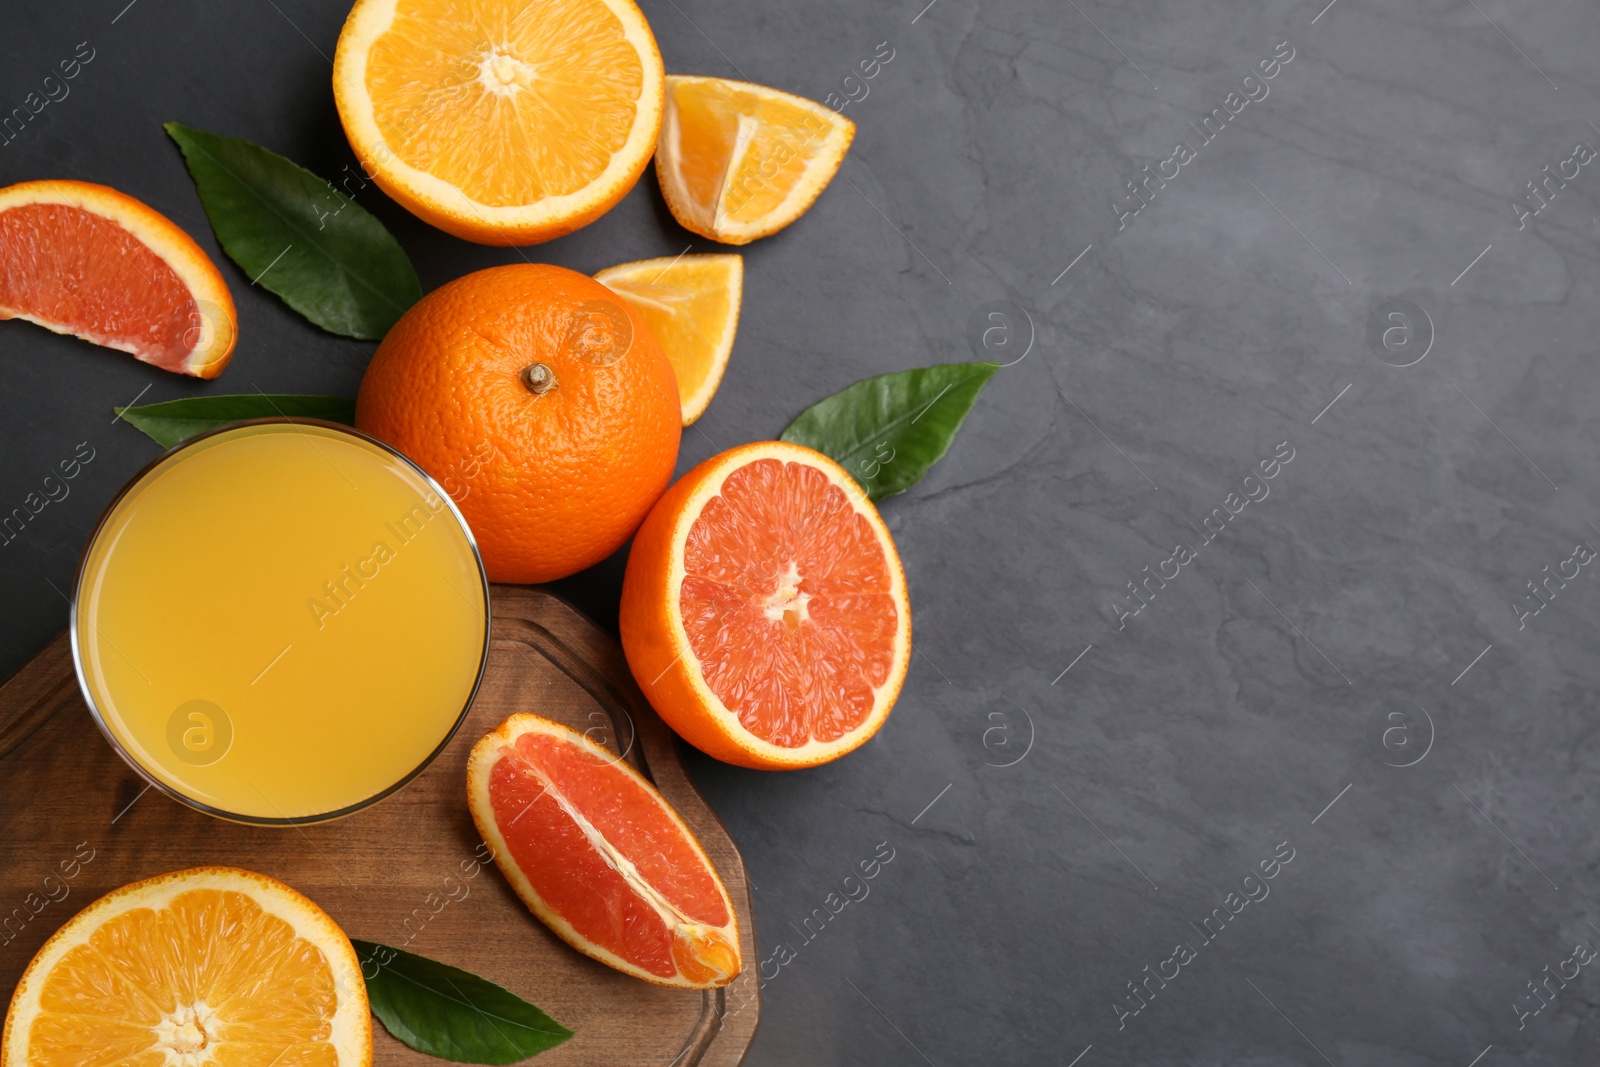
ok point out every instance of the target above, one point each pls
(764, 610)
(87, 260)
(600, 856)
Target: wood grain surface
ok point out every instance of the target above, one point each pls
(75, 822)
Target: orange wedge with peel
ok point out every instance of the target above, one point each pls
(764, 609)
(213, 965)
(691, 305)
(505, 122)
(83, 259)
(600, 856)
(739, 161)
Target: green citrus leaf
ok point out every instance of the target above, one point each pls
(295, 234)
(173, 421)
(887, 431)
(450, 1013)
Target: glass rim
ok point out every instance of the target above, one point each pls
(138, 479)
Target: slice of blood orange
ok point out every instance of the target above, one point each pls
(86, 260)
(600, 856)
(764, 609)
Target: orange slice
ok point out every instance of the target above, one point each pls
(86, 260)
(598, 855)
(739, 161)
(764, 609)
(691, 305)
(210, 966)
(505, 122)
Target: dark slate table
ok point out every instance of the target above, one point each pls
(1194, 765)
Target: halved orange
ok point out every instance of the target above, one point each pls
(86, 260)
(691, 304)
(505, 122)
(764, 609)
(212, 965)
(600, 856)
(739, 161)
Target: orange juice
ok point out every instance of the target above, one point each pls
(280, 621)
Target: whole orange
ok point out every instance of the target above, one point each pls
(542, 405)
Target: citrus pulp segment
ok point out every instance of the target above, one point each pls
(691, 304)
(739, 161)
(600, 856)
(86, 260)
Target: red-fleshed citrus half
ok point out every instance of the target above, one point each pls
(764, 609)
(86, 260)
(600, 856)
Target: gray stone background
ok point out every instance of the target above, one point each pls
(1069, 789)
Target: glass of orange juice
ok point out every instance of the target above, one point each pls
(280, 621)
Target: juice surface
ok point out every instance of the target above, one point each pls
(281, 621)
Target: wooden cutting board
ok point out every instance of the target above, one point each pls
(75, 822)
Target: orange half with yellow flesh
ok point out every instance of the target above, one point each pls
(508, 122)
(209, 966)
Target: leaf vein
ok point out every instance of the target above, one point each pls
(294, 227)
(895, 424)
(435, 991)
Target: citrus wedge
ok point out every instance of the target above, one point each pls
(764, 609)
(739, 161)
(86, 260)
(600, 856)
(210, 966)
(691, 305)
(505, 122)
